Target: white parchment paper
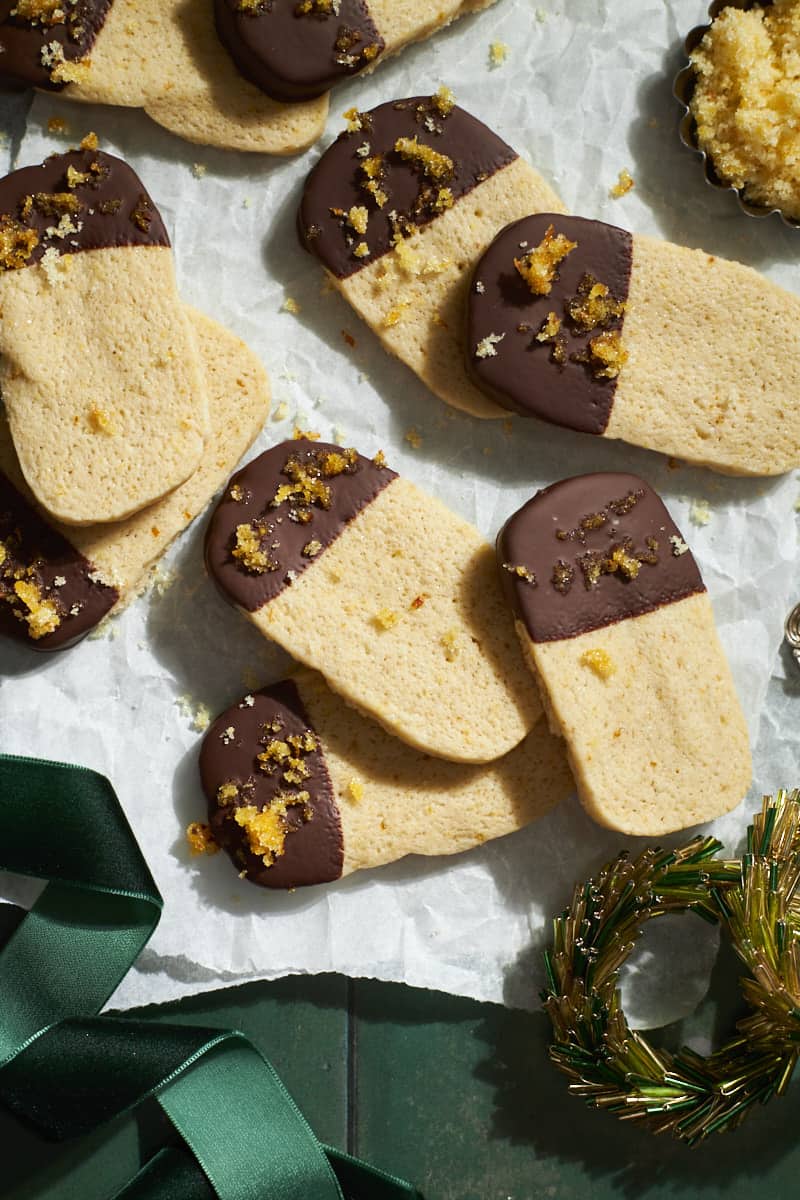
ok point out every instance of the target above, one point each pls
(584, 92)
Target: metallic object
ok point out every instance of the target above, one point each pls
(683, 88)
(792, 631)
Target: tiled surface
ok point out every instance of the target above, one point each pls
(455, 1095)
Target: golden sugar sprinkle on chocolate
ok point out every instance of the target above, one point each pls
(539, 266)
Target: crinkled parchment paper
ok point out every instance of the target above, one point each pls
(585, 91)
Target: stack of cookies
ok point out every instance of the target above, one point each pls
(124, 409)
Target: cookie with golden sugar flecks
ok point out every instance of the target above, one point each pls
(584, 325)
(618, 628)
(58, 582)
(99, 368)
(298, 49)
(302, 790)
(398, 211)
(391, 596)
(160, 55)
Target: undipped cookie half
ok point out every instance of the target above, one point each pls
(99, 368)
(618, 628)
(391, 596)
(586, 326)
(58, 582)
(302, 790)
(160, 55)
(399, 209)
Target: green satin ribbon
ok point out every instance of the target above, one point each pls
(68, 1071)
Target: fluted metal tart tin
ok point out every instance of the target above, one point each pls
(683, 89)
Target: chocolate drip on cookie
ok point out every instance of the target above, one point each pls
(270, 798)
(545, 322)
(49, 596)
(591, 551)
(82, 200)
(43, 41)
(282, 511)
(395, 170)
(297, 49)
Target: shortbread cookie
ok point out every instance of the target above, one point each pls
(58, 582)
(160, 55)
(298, 49)
(302, 790)
(584, 325)
(398, 210)
(381, 588)
(99, 369)
(618, 629)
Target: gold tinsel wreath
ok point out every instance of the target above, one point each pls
(756, 897)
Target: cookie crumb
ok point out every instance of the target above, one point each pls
(281, 412)
(198, 715)
(413, 437)
(355, 790)
(228, 735)
(58, 126)
(248, 701)
(498, 53)
(679, 546)
(600, 662)
(700, 512)
(290, 305)
(201, 839)
(199, 170)
(625, 183)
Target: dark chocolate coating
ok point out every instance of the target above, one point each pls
(335, 182)
(99, 229)
(293, 56)
(30, 542)
(529, 538)
(314, 849)
(22, 42)
(522, 376)
(259, 481)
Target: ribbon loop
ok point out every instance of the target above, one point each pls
(67, 1070)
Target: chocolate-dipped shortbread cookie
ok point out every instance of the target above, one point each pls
(399, 209)
(160, 55)
(297, 49)
(391, 596)
(586, 326)
(57, 582)
(99, 369)
(618, 629)
(302, 790)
